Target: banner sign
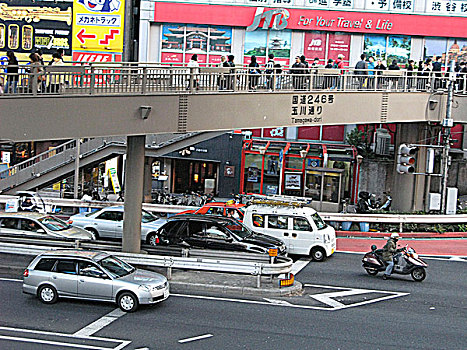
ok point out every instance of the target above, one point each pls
(114, 180)
(98, 26)
(26, 26)
(262, 18)
(293, 181)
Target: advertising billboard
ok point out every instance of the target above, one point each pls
(98, 29)
(26, 26)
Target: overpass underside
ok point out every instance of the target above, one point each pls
(47, 117)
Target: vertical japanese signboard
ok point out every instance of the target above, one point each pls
(26, 26)
(98, 30)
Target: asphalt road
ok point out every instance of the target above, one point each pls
(396, 313)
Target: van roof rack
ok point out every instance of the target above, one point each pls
(280, 200)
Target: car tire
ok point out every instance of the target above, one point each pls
(151, 239)
(47, 294)
(127, 302)
(94, 232)
(318, 254)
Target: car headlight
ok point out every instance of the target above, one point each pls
(144, 287)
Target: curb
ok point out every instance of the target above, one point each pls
(420, 235)
(179, 287)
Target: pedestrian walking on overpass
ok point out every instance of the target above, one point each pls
(36, 73)
(253, 74)
(360, 71)
(56, 78)
(297, 71)
(12, 73)
(194, 72)
(269, 71)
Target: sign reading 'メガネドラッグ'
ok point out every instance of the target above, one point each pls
(309, 108)
(98, 26)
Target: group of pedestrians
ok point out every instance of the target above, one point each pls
(34, 71)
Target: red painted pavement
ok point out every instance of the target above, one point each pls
(450, 247)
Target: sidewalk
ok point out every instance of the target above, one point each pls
(424, 243)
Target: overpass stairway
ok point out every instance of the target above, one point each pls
(58, 163)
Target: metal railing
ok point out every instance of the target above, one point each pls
(138, 78)
(214, 261)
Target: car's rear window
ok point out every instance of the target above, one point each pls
(45, 264)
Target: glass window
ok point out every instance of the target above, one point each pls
(331, 187)
(399, 49)
(301, 224)
(171, 228)
(45, 264)
(294, 163)
(89, 269)
(457, 50)
(435, 47)
(110, 215)
(279, 43)
(313, 185)
(196, 228)
(215, 211)
(255, 43)
(116, 267)
(215, 232)
(9, 223)
(54, 224)
(258, 220)
(29, 225)
(66, 266)
(146, 217)
(320, 224)
(278, 222)
(239, 229)
(2, 35)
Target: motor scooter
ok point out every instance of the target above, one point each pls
(406, 262)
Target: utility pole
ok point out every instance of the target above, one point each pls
(446, 138)
(76, 177)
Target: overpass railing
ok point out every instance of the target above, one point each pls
(147, 79)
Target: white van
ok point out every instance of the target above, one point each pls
(301, 228)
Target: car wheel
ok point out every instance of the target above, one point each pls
(47, 294)
(94, 232)
(152, 239)
(127, 302)
(318, 254)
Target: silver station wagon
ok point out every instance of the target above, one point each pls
(90, 275)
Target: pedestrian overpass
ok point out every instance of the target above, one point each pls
(136, 100)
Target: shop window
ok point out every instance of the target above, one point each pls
(2, 36)
(457, 50)
(313, 185)
(271, 175)
(258, 220)
(435, 47)
(13, 36)
(278, 222)
(294, 163)
(27, 38)
(388, 48)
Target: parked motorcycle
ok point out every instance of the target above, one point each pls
(406, 262)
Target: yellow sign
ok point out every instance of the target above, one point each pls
(114, 180)
(98, 25)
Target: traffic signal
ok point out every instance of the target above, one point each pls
(406, 159)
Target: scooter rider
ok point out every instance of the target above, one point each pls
(388, 254)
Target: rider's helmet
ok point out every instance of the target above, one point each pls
(395, 235)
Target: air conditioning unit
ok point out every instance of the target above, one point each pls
(383, 142)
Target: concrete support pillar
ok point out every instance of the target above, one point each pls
(408, 190)
(134, 178)
(147, 198)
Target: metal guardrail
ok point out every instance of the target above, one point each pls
(174, 209)
(144, 78)
(250, 264)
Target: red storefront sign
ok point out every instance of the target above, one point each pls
(315, 45)
(171, 57)
(355, 22)
(96, 57)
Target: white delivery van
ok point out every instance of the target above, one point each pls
(300, 227)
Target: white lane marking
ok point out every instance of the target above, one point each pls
(204, 336)
(50, 342)
(277, 302)
(299, 265)
(122, 343)
(10, 280)
(100, 323)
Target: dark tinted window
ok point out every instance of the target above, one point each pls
(172, 227)
(66, 266)
(196, 228)
(9, 223)
(45, 264)
(111, 215)
(89, 269)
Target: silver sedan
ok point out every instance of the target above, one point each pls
(93, 276)
(36, 225)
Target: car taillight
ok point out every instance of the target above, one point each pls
(70, 222)
(26, 273)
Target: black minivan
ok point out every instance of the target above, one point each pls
(213, 232)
